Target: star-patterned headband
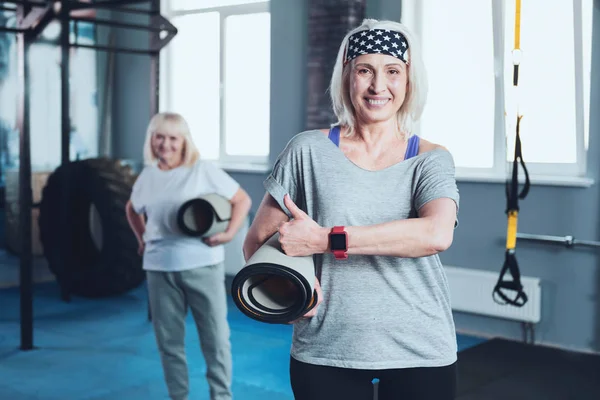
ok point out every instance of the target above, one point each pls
(377, 41)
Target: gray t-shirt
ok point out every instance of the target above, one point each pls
(378, 312)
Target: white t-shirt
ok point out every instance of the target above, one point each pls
(159, 194)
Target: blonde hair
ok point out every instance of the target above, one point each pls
(173, 124)
(416, 94)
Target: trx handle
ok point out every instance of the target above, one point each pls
(511, 265)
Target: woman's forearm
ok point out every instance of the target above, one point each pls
(266, 222)
(415, 237)
(260, 231)
(136, 222)
(250, 247)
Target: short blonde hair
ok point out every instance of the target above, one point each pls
(416, 95)
(172, 124)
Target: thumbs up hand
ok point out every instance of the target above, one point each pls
(301, 236)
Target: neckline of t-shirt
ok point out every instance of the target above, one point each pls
(405, 161)
(168, 171)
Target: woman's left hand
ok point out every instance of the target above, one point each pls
(218, 238)
(301, 236)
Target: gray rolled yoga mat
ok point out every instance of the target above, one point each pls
(204, 216)
(274, 287)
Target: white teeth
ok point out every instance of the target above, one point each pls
(377, 102)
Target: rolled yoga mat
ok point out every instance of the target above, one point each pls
(274, 287)
(204, 216)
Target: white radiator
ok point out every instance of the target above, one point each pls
(471, 292)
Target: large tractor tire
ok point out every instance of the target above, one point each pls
(84, 231)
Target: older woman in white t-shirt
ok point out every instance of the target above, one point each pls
(184, 271)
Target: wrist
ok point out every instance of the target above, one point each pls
(323, 240)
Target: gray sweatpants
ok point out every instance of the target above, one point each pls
(203, 290)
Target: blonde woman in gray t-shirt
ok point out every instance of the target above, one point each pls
(183, 272)
(374, 205)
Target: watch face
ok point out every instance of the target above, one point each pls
(338, 241)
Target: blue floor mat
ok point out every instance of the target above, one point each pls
(101, 349)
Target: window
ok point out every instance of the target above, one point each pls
(472, 104)
(216, 73)
(44, 99)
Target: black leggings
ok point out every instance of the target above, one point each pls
(315, 382)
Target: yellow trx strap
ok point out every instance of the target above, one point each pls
(518, 25)
(512, 198)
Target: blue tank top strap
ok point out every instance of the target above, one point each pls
(413, 147)
(411, 150)
(334, 135)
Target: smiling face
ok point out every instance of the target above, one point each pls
(378, 84)
(168, 147)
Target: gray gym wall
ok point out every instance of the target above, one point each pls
(131, 90)
(571, 277)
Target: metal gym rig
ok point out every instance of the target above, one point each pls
(32, 17)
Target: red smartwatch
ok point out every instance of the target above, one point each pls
(338, 242)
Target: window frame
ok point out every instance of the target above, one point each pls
(572, 174)
(236, 162)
